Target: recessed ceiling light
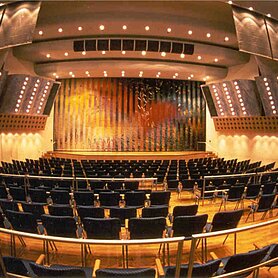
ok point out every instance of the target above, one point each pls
(83, 52)
(54, 74)
(47, 55)
(40, 32)
(123, 74)
(66, 54)
(191, 75)
(215, 60)
(80, 28)
(269, 15)
(147, 28)
(163, 54)
(141, 72)
(169, 30)
(143, 52)
(226, 39)
(208, 35)
(70, 73)
(103, 52)
(251, 8)
(87, 72)
(230, 2)
(174, 77)
(199, 57)
(123, 71)
(60, 30)
(105, 74)
(57, 76)
(190, 32)
(124, 27)
(101, 27)
(159, 73)
(188, 77)
(123, 52)
(182, 55)
(204, 79)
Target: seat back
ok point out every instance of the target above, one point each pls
(18, 193)
(90, 211)
(36, 208)
(268, 187)
(156, 211)
(60, 196)
(109, 199)
(160, 198)
(123, 213)
(226, 220)
(8, 205)
(235, 192)
(245, 260)
(135, 198)
(266, 202)
(199, 270)
(3, 192)
(126, 272)
(16, 266)
(83, 198)
(102, 228)
(141, 228)
(60, 210)
(59, 225)
(185, 210)
(22, 221)
(253, 190)
(188, 225)
(38, 195)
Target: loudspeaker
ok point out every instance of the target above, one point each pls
(153, 46)
(165, 46)
(177, 47)
(188, 49)
(103, 45)
(51, 97)
(140, 45)
(209, 99)
(90, 45)
(115, 44)
(128, 45)
(79, 46)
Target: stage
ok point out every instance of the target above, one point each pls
(87, 155)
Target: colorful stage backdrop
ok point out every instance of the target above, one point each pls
(114, 114)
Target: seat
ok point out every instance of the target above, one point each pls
(264, 204)
(102, 228)
(160, 198)
(60, 210)
(252, 191)
(84, 198)
(3, 192)
(37, 209)
(271, 254)
(64, 226)
(123, 213)
(172, 184)
(18, 193)
(38, 195)
(131, 185)
(268, 188)
(8, 205)
(242, 261)
(135, 199)
(142, 228)
(185, 210)
(60, 196)
(205, 270)
(234, 194)
(90, 211)
(125, 272)
(155, 211)
(109, 199)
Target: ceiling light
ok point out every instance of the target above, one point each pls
(105, 74)
(182, 55)
(190, 32)
(265, 79)
(230, 2)
(123, 74)
(144, 52)
(226, 39)
(208, 35)
(169, 30)
(269, 15)
(101, 27)
(47, 55)
(199, 57)
(80, 28)
(103, 52)
(176, 74)
(251, 8)
(192, 75)
(66, 54)
(124, 27)
(123, 52)
(123, 71)
(147, 28)
(87, 72)
(83, 52)
(188, 77)
(204, 79)
(215, 60)
(57, 77)
(163, 54)
(60, 30)
(159, 73)
(40, 32)
(70, 73)
(141, 72)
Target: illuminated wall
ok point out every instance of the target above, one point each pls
(113, 114)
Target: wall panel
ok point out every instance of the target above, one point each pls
(114, 114)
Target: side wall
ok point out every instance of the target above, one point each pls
(242, 145)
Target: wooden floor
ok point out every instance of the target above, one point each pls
(145, 255)
(87, 155)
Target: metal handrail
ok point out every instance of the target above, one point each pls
(197, 237)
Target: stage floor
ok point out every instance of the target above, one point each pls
(86, 155)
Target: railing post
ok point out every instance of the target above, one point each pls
(178, 259)
(191, 257)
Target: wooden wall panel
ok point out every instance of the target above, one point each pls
(114, 114)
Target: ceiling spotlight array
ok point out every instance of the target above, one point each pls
(228, 97)
(239, 96)
(218, 101)
(22, 92)
(270, 97)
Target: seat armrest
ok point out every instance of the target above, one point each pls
(96, 267)
(40, 259)
(159, 267)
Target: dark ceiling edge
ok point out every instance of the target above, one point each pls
(130, 59)
(120, 36)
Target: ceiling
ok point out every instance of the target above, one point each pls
(206, 24)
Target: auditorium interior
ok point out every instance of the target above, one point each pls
(138, 138)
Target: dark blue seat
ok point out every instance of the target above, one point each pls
(37, 209)
(126, 272)
(90, 211)
(155, 211)
(123, 213)
(60, 210)
(84, 198)
(135, 199)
